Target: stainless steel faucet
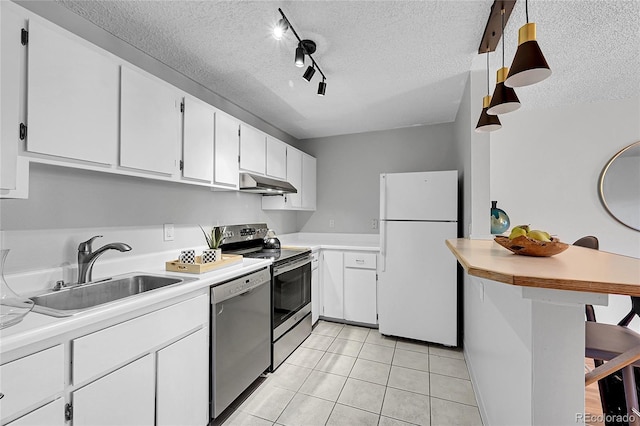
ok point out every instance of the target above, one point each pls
(87, 257)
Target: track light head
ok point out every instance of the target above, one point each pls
(280, 29)
(308, 74)
(299, 56)
(322, 87)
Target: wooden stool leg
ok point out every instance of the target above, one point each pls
(631, 395)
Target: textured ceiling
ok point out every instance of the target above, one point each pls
(389, 64)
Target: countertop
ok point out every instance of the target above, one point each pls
(36, 327)
(577, 268)
(332, 241)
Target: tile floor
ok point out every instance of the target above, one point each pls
(347, 375)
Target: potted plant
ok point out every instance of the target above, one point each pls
(214, 239)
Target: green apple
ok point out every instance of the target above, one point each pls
(539, 235)
(517, 232)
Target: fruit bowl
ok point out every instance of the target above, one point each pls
(529, 247)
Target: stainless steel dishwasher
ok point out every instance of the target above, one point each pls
(240, 336)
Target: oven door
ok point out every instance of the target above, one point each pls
(291, 291)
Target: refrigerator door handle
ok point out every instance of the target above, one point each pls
(383, 245)
(383, 197)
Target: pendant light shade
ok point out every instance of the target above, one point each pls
(322, 87)
(299, 56)
(487, 123)
(529, 65)
(504, 98)
(308, 74)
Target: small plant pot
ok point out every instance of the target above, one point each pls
(211, 255)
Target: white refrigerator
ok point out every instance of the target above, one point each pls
(417, 287)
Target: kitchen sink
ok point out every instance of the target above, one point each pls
(78, 298)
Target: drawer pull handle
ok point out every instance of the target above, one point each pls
(359, 260)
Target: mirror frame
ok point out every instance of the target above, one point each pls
(601, 184)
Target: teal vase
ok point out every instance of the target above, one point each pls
(499, 219)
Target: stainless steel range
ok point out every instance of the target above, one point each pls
(290, 285)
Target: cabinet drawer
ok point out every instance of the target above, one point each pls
(360, 260)
(105, 349)
(32, 379)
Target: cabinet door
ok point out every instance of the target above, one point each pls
(276, 158)
(226, 152)
(183, 381)
(124, 397)
(149, 123)
(308, 182)
(252, 150)
(12, 87)
(72, 97)
(51, 414)
(197, 143)
(332, 284)
(360, 295)
(294, 176)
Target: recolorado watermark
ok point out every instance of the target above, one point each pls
(606, 418)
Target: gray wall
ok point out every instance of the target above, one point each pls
(349, 168)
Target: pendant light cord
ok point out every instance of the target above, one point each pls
(502, 14)
(487, 70)
(526, 9)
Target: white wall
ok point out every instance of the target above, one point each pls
(545, 167)
(349, 168)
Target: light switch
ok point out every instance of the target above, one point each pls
(168, 231)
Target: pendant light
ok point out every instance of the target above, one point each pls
(504, 98)
(529, 65)
(487, 123)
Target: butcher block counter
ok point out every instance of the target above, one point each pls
(524, 327)
(577, 268)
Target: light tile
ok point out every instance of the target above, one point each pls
(452, 413)
(336, 364)
(370, 371)
(409, 379)
(376, 338)
(345, 347)
(267, 402)
(351, 332)
(305, 357)
(376, 353)
(415, 346)
(411, 359)
(364, 395)
(317, 341)
(388, 421)
(448, 366)
(306, 410)
(325, 328)
(343, 415)
(448, 352)
(289, 376)
(323, 385)
(240, 418)
(452, 389)
(406, 406)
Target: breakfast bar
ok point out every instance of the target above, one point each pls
(524, 337)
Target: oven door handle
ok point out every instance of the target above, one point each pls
(291, 266)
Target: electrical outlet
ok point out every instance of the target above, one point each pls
(168, 231)
(374, 223)
(332, 223)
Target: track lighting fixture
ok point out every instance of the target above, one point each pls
(305, 47)
(529, 65)
(322, 87)
(308, 74)
(486, 122)
(280, 29)
(504, 98)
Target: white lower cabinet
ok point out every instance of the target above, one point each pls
(348, 286)
(51, 414)
(124, 397)
(183, 383)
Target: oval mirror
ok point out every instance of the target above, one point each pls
(619, 186)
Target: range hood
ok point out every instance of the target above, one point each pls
(264, 185)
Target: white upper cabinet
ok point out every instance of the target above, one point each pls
(253, 150)
(308, 182)
(294, 175)
(72, 96)
(198, 137)
(227, 142)
(276, 158)
(149, 123)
